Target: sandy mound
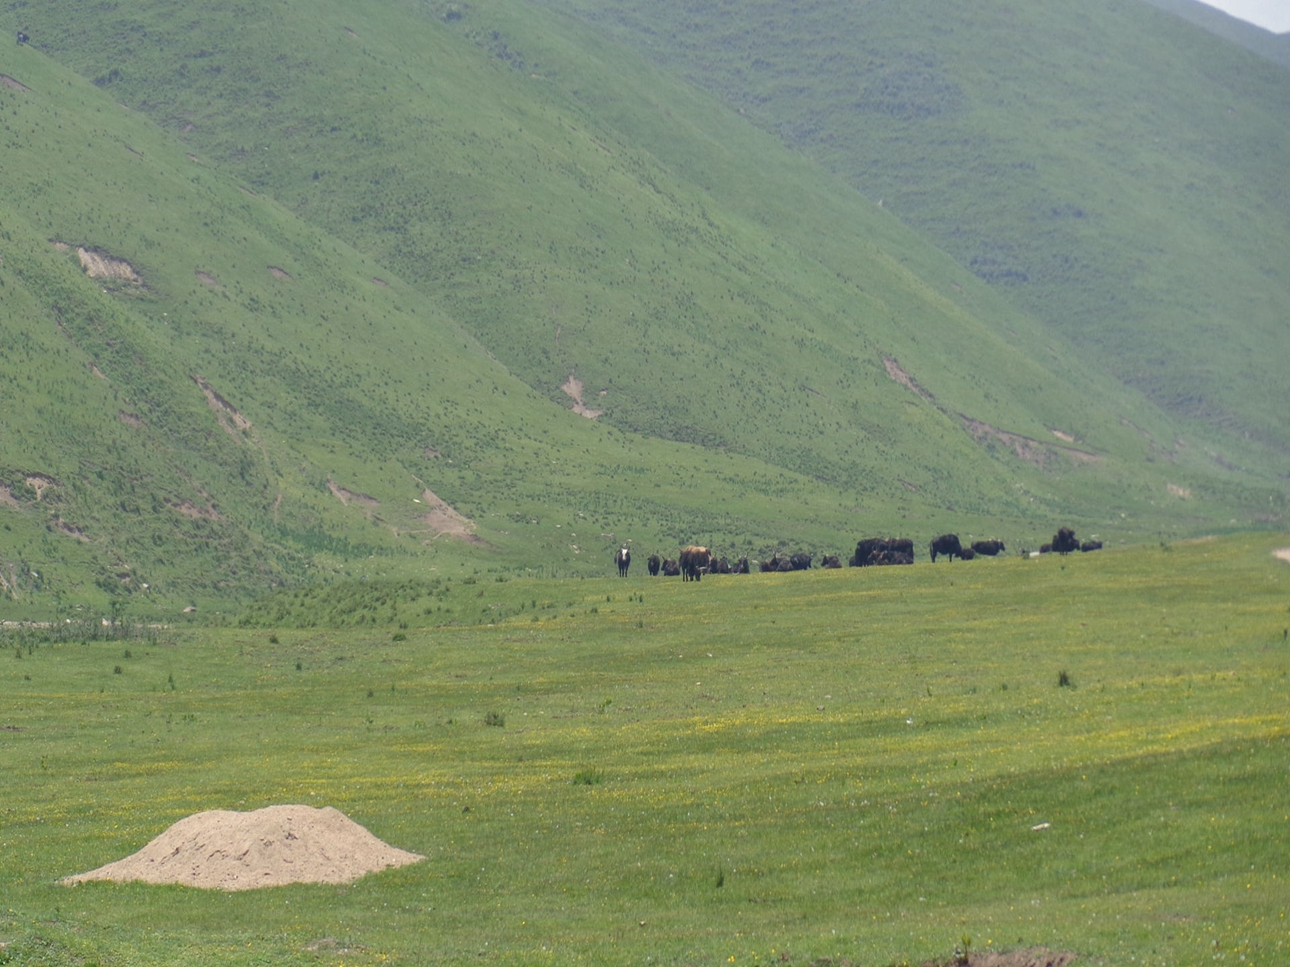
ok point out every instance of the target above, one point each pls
(226, 850)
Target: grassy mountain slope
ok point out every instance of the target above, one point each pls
(1114, 171)
(1270, 46)
(260, 403)
(368, 265)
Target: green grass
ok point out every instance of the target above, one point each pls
(846, 764)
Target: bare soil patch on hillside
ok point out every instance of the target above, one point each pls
(225, 412)
(40, 482)
(16, 84)
(1026, 448)
(347, 497)
(444, 521)
(192, 511)
(226, 850)
(70, 530)
(102, 265)
(278, 273)
(573, 389)
(904, 379)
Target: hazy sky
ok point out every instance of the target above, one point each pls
(1272, 15)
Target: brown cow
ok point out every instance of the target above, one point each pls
(694, 561)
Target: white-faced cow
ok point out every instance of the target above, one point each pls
(624, 560)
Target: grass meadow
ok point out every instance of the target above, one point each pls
(859, 766)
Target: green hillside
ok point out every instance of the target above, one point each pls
(1270, 46)
(360, 257)
(1110, 169)
(258, 405)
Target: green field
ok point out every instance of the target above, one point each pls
(821, 767)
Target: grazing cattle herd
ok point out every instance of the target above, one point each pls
(696, 561)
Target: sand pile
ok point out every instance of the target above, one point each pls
(226, 850)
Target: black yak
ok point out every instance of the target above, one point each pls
(624, 560)
(947, 544)
(670, 568)
(830, 561)
(967, 554)
(988, 548)
(653, 563)
(1091, 546)
(1065, 541)
(875, 551)
(866, 549)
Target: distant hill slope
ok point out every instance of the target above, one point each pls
(1112, 170)
(1270, 46)
(204, 398)
(334, 288)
